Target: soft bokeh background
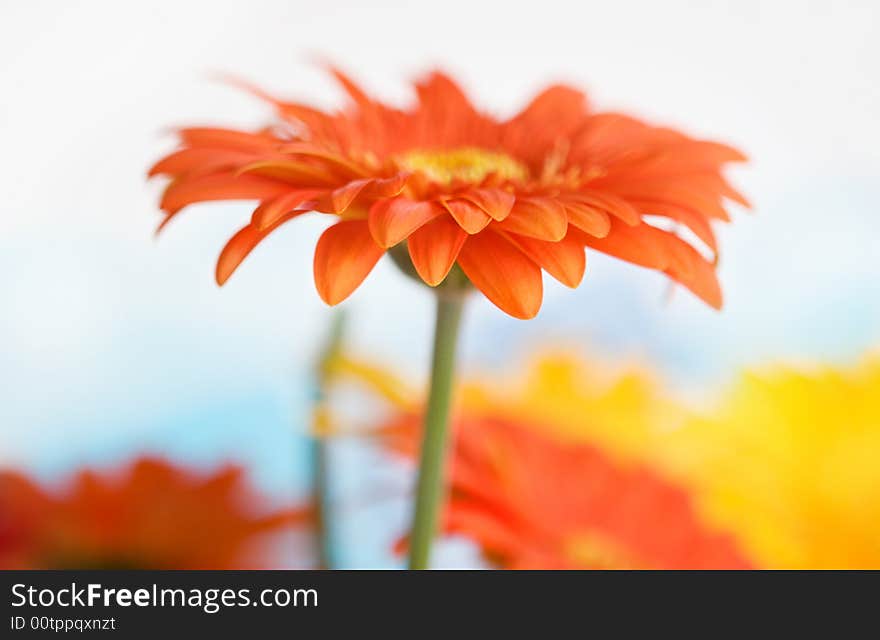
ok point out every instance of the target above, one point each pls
(114, 343)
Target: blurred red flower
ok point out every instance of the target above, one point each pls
(149, 515)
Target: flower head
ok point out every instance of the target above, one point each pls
(151, 515)
(443, 187)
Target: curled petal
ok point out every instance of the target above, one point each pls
(617, 207)
(643, 245)
(508, 278)
(240, 245)
(469, 216)
(541, 218)
(434, 248)
(389, 187)
(219, 187)
(344, 256)
(391, 221)
(564, 260)
(365, 189)
(342, 197)
(588, 219)
(271, 211)
(496, 202)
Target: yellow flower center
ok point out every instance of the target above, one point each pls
(468, 164)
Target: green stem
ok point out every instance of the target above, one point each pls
(320, 450)
(323, 537)
(430, 486)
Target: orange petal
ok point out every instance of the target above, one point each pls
(555, 105)
(692, 220)
(440, 92)
(344, 256)
(469, 216)
(564, 260)
(227, 139)
(271, 211)
(240, 245)
(224, 186)
(389, 187)
(297, 173)
(495, 202)
(434, 248)
(342, 197)
(643, 245)
(691, 269)
(358, 95)
(679, 194)
(617, 207)
(702, 280)
(588, 219)
(310, 151)
(541, 218)
(391, 221)
(200, 160)
(650, 247)
(551, 116)
(503, 273)
(728, 191)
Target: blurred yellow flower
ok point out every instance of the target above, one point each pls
(624, 411)
(791, 462)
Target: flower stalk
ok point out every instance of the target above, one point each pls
(430, 484)
(320, 453)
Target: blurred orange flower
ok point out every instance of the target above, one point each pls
(442, 184)
(536, 493)
(534, 502)
(151, 515)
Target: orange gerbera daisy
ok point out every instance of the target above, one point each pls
(441, 184)
(152, 515)
(531, 501)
